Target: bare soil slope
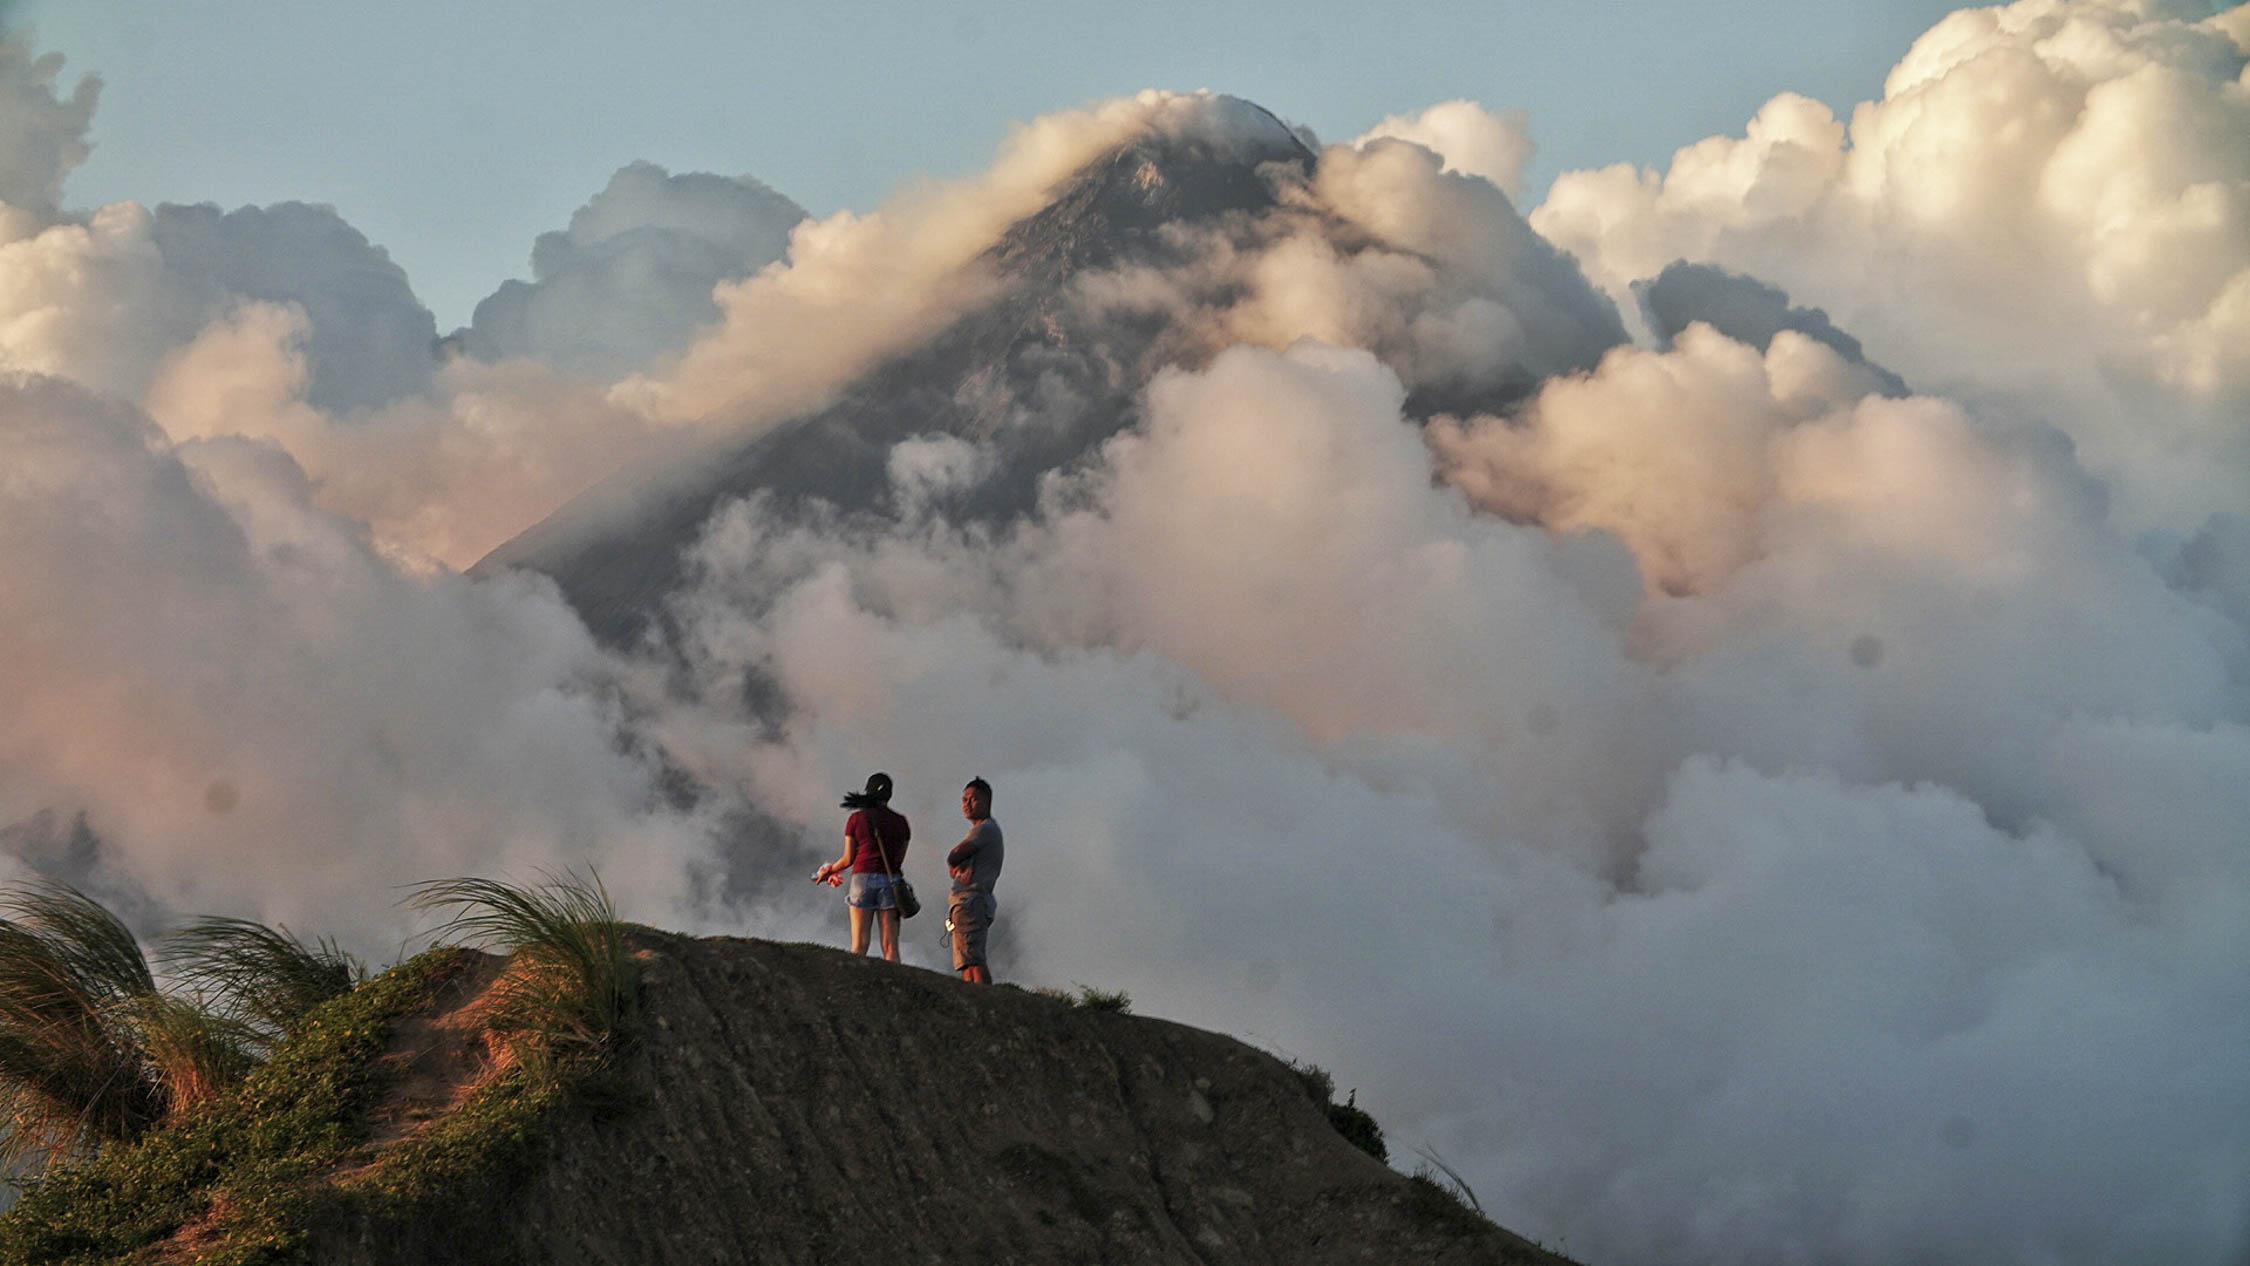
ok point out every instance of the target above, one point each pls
(793, 1104)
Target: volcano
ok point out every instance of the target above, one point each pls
(1038, 377)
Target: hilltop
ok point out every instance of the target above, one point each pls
(768, 1103)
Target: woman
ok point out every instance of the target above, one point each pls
(874, 850)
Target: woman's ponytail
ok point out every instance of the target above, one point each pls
(878, 792)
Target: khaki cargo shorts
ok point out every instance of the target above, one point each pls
(969, 916)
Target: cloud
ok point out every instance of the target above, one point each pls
(368, 339)
(1745, 310)
(227, 682)
(1670, 451)
(857, 287)
(1471, 140)
(105, 300)
(94, 301)
(1381, 246)
(46, 135)
(442, 476)
(2045, 211)
(1786, 920)
(631, 278)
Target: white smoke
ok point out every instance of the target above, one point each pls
(1728, 808)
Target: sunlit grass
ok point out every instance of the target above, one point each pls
(570, 984)
(263, 978)
(90, 1051)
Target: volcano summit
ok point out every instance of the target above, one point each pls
(1209, 224)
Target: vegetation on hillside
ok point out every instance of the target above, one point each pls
(236, 1112)
(258, 1098)
(573, 985)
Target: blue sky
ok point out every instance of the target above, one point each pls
(453, 134)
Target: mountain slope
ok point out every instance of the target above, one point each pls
(1041, 374)
(791, 1104)
(770, 1103)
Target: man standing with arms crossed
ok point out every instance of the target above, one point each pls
(974, 864)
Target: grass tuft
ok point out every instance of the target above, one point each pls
(90, 1052)
(264, 979)
(571, 986)
(245, 1167)
(1459, 1186)
(1092, 999)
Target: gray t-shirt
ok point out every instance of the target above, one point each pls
(981, 851)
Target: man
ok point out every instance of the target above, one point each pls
(974, 864)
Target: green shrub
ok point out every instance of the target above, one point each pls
(1350, 1120)
(1092, 999)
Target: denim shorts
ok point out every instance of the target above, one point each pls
(871, 890)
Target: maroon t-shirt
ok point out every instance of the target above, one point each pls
(866, 858)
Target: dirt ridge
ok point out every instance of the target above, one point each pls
(792, 1104)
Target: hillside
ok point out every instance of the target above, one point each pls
(770, 1103)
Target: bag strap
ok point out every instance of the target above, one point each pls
(875, 828)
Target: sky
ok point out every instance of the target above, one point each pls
(452, 135)
(1759, 776)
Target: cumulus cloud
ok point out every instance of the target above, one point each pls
(2047, 209)
(368, 339)
(104, 300)
(1745, 310)
(227, 682)
(46, 134)
(94, 301)
(631, 278)
(1470, 138)
(442, 476)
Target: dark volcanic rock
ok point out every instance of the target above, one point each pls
(793, 1104)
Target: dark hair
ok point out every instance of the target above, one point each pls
(981, 787)
(878, 792)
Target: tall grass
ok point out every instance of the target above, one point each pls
(571, 984)
(90, 1051)
(264, 979)
(1454, 1182)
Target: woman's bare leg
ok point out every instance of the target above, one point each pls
(889, 924)
(859, 930)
